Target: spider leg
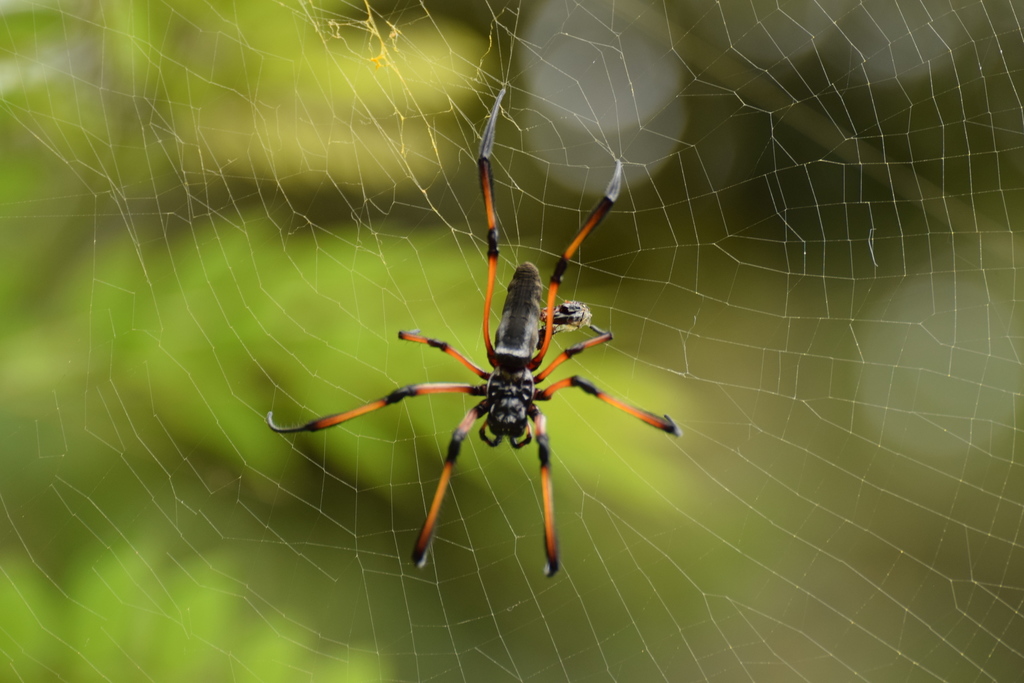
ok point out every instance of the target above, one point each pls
(487, 186)
(547, 494)
(663, 423)
(419, 553)
(394, 397)
(488, 440)
(524, 441)
(447, 348)
(595, 218)
(573, 350)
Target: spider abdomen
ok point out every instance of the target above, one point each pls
(509, 395)
(518, 331)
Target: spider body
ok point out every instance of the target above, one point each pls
(510, 389)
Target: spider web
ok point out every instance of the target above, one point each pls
(218, 209)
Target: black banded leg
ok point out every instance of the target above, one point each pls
(663, 422)
(487, 186)
(414, 336)
(573, 350)
(394, 397)
(595, 218)
(419, 552)
(547, 492)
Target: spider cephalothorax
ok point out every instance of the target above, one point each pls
(509, 395)
(510, 392)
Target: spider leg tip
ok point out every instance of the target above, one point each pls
(270, 422)
(487, 139)
(278, 428)
(550, 568)
(672, 428)
(615, 186)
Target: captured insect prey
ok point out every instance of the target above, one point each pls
(510, 392)
(569, 316)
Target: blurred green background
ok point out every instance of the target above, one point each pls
(218, 209)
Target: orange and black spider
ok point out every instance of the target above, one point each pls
(510, 392)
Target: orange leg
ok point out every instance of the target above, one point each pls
(593, 220)
(447, 348)
(573, 350)
(547, 493)
(419, 553)
(487, 186)
(663, 423)
(394, 397)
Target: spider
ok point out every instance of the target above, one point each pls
(510, 389)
